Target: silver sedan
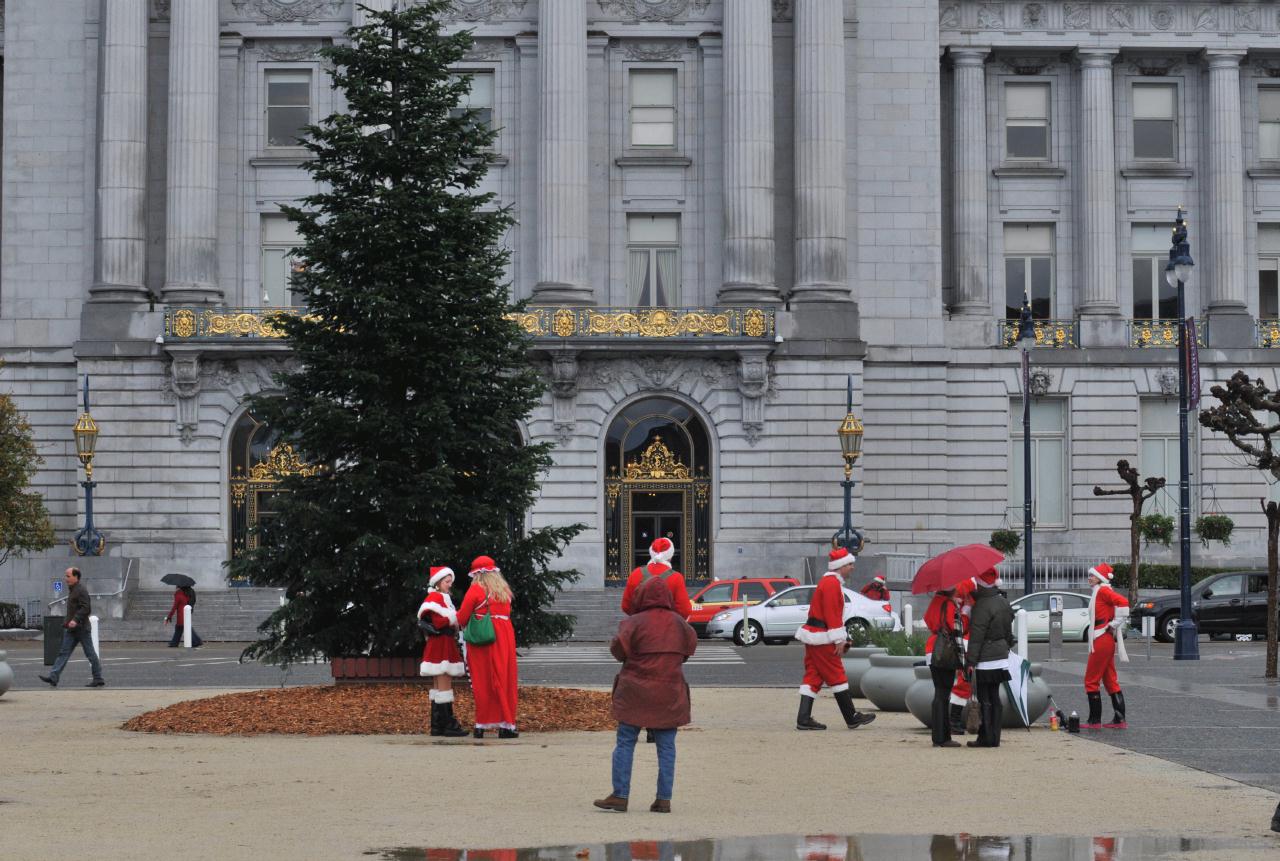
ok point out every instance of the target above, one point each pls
(776, 620)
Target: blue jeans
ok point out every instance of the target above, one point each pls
(177, 636)
(624, 753)
(71, 636)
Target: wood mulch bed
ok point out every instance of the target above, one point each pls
(377, 709)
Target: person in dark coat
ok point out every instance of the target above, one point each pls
(76, 630)
(990, 637)
(650, 691)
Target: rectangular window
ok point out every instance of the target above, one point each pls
(279, 239)
(1155, 121)
(1159, 458)
(1028, 269)
(479, 99)
(288, 107)
(1026, 127)
(1153, 297)
(653, 107)
(1268, 271)
(1049, 486)
(653, 260)
(1269, 123)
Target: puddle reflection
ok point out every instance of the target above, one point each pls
(883, 847)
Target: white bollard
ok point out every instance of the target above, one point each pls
(186, 626)
(906, 618)
(93, 635)
(1020, 625)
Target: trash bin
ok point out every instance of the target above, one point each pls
(52, 638)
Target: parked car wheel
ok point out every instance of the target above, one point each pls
(1167, 627)
(749, 636)
(857, 629)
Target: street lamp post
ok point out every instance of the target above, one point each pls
(1178, 272)
(850, 433)
(88, 541)
(1026, 340)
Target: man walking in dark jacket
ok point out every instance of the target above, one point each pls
(76, 630)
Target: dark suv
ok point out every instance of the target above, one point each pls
(1230, 603)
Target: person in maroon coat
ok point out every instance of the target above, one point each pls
(653, 643)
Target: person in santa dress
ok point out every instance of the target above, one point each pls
(962, 690)
(825, 642)
(441, 657)
(1108, 614)
(876, 590)
(659, 567)
(493, 666)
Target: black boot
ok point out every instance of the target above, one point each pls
(436, 728)
(852, 719)
(1095, 710)
(804, 719)
(956, 715)
(1275, 819)
(1118, 720)
(449, 726)
(503, 732)
(648, 737)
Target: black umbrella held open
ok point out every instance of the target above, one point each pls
(178, 580)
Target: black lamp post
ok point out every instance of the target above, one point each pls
(1026, 340)
(850, 433)
(88, 541)
(1178, 272)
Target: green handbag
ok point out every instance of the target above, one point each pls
(479, 629)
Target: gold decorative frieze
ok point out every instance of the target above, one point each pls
(1160, 333)
(225, 323)
(542, 322)
(1057, 334)
(1269, 334)
(283, 460)
(657, 463)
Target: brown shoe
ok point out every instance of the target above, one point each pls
(948, 743)
(613, 802)
(660, 805)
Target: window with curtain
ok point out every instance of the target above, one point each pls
(1028, 269)
(279, 239)
(1158, 457)
(1026, 124)
(653, 260)
(288, 107)
(480, 98)
(1269, 123)
(653, 107)
(1155, 121)
(1268, 271)
(1050, 488)
(1153, 298)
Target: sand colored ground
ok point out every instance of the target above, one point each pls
(71, 780)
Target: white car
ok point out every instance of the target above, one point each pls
(1075, 615)
(776, 620)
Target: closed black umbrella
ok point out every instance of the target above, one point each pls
(178, 580)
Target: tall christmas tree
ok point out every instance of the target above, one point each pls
(412, 381)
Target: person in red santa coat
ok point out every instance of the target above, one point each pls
(659, 566)
(493, 666)
(1108, 614)
(441, 657)
(825, 642)
(962, 690)
(943, 618)
(876, 590)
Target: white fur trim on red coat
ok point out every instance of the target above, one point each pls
(821, 638)
(443, 668)
(444, 611)
(806, 691)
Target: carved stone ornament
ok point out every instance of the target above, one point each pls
(653, 10)
(949, 17)
(185, 383)
(160, 8)
(483, 10)
(1167, 380)
(290, 51)
(1033, 15)
(991, 17)
(653, 51)
(1248, 19)
(1162, 18)
(564, 390)
(1077, 16)
(1040, 381)
(1028, 65)
(753, 385)
(1120, 17)
(675, 373)
(1207, 19)
(287, 10)
(782, 10)
(485, 49)
(1153, 66)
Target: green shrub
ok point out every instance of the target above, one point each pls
(1214, 527)
(1005, 540)
(1153, 575)
(893, 642)
(1156, 528)
(11, 616)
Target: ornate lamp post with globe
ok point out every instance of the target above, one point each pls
(88, 541)
(850, 433)
(1026, 340)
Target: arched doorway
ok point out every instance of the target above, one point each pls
(259, 459)
(657, 483)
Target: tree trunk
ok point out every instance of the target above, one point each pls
(1273, 541)
(1135, 551)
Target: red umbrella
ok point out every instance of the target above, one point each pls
(954, 566)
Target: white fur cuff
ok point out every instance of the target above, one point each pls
(806, 691)
(443, 668)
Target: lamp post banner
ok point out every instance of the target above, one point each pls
(1193, 364)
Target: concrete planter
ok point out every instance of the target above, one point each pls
(920, 699)
(887, 681)
(6, 674)
(856, 663)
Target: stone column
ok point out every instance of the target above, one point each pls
(748, 153)
(969, 126)
(1225, 286)
(192, 215)
(1098, 295)
(563, 203)
(822, 245)
(359, 17)
(120, 266)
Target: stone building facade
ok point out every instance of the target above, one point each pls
(725, 209)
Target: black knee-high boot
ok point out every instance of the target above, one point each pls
(852, 717)
(956, 714)
(436, 725)
(1118, 720)
(804, 718)
(1095, 710)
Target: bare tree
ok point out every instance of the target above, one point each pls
(1139, 492)
(1248, 414)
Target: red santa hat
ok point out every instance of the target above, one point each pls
(481, 564)
(661, 550)
(839, 558)
(990, 577)
(1103, 572)
(438, 573)
(879, 578)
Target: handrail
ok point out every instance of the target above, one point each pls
(124, 585)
